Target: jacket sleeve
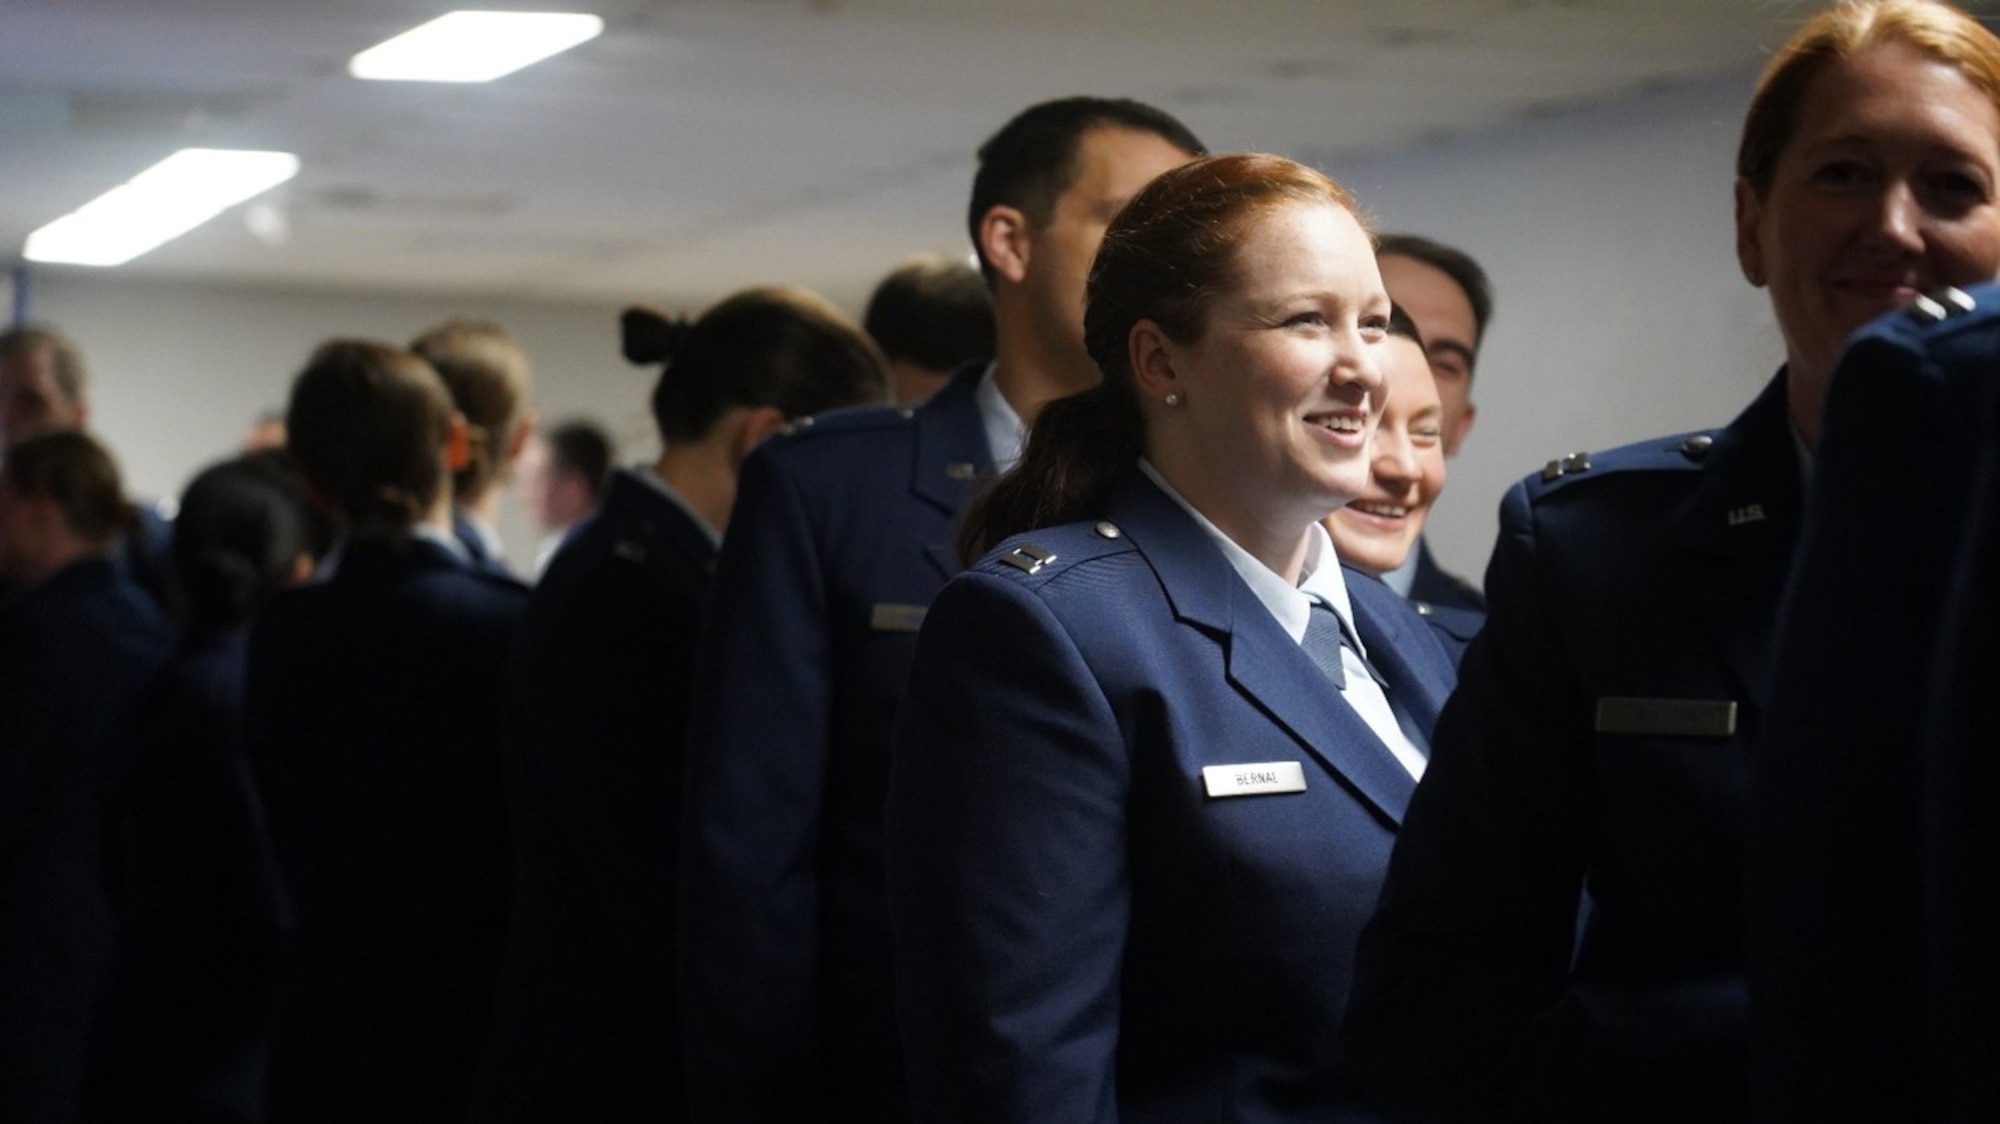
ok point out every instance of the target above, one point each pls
(753, 796)
(1009, 895)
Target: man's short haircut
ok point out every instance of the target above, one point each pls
(1453, 263)
(934, 312)
(72, 378)
(581, 447)
(1032, 160)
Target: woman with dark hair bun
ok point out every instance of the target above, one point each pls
(199, 896)
(1143, 789)
(585, 1024)
(374, 724)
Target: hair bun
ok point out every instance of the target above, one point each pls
(648, 335)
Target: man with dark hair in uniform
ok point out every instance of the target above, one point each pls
(841, 536)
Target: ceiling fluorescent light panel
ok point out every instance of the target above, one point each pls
(158, 205)
(474, 46)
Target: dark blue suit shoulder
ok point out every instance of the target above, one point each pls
(503, 587)
(1938, 316)
(1040, 557)
(1682, 452)
(830, 448)
(843, 422)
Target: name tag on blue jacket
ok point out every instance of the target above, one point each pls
(885, 617)
(1262, 779)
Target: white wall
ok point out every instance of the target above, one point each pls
(1607, 232)
(180, 371)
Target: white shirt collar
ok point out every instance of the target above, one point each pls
(329, 563)
(446, 539)
(649, 474)
(1404, 577)
(489, 539)
(1006, 436)
(1319, 578)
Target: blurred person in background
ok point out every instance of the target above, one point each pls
(78, 643)
(564, 474)
(492, 387)
(200, 900)
(585, 1021)
(374, 713)
(930, 316)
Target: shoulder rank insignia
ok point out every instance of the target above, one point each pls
(1563, 466)
(1028, 558)
(1940, 304)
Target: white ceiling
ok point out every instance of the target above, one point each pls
(702, 145)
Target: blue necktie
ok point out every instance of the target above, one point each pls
(1326, 638)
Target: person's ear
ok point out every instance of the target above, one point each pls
(457, 444)
(1464, 429)
(1004, 241)
(1151, 355)
(1749, 240)
(524, 430)
(759, 423)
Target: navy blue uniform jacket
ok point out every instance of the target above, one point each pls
(841, 536)
(374, 713)
(75, 651)
(1601, 735)
(1960, 837)
(200, 902)
(1082, 933)
(585, 1024)
(1874, 914)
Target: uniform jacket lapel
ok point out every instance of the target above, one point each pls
(1402, 647)
(951, 458)
(1259, 659)
(1742, 522)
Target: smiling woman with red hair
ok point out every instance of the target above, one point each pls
(1142, 791)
